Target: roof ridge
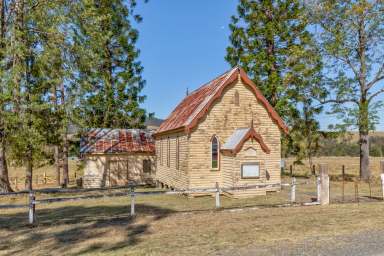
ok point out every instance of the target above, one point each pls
(209, 82)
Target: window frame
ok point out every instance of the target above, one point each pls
(250, 177)
(214, 137)
(150, 166)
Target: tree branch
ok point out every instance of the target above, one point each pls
(379, 76)
(376, 94)
(338, 101)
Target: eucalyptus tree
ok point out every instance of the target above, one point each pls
(351, 34)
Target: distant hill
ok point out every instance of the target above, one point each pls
(355, 135)
(348, 144)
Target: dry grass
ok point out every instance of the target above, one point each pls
(17, 174)
(335, 165)
(104, 227)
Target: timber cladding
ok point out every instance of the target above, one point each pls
(104, 170)
(236, 108)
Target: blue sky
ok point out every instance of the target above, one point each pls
(183, 46)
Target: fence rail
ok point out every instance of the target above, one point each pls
(132, 193)
(322, 185)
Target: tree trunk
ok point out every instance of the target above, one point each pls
(364, 140)
(65, 161)
(65, 140)
(17, 58)
(28, 170)
(57, 164)
(365, 172)
(4, 180)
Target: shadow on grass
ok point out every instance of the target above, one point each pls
(64, 228)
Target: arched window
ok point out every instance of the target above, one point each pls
(215, 153)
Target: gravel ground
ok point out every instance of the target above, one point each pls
(360, 244)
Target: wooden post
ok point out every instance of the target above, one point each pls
(343, 177)
(45, 178)
(291, 170)
(318, 186)
(293, 190)
(217, 196)
(356, 191)
(313, 169)
(32, 214)
(132, 201)
(324, 184)
(370, 187)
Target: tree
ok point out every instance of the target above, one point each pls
(352, 40)
(58, 57)
(109, 71)
(271, 41)
(25, 76)
(4, 96)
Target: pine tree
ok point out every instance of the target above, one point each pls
(265, 36)
(4, 179)
(110, 73)
(59, 79)
(25, 77)
(271, 41)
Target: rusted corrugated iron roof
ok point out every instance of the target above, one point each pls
(102, 141)
(187, 114)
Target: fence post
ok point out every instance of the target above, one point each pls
(318, 186)
(343, 177)
(382, 177)
(291, 170)
(132, 201)
(382, 166)
(217, 196)
(324, 184)
(45, 178)
(293, 190)
(382, 184)
(313, 169)
(32, 208)
(357, 191)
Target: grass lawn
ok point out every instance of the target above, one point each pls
(335, 165)
(104, 227)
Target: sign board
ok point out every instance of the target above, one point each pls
(250, 170)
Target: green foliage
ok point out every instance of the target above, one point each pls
(109, 71)
(271, 41)
(352, 39)
(64, 62)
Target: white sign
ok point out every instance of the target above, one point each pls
(250, 170)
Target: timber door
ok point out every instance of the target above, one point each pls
(118, 172)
